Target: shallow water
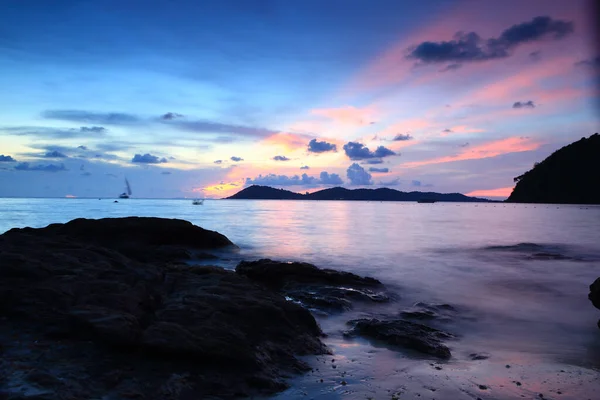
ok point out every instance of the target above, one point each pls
(518, 276)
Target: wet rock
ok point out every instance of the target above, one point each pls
(322, 289)
(479, 356)
(100, 301)
(426, 312)
(405, 334)
(594, 295)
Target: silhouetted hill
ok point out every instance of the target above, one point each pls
(570, 175)
(256, 192)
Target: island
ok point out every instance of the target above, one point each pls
(570, 175)
(257, 192)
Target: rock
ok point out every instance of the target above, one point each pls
(405, 334)
(314, 288)
(94, 297)
(594, 295)
(428, 312)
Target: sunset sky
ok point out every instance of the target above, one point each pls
(202, 98)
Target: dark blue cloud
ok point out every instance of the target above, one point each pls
(469, 47)
(358, 151)
(281, 158)
(171, 115)
(305, 167)
(535, 55)
(420, 184)
(111, 118)
(4, 158)
(330, 179)
(400, 137)
(523, 104)
(55, 154)
(315, 146)
(218, 161)
(219, 128)
(236, 159)
(466, 144)
(451, 67)
(25, 166)
(82, 147)
(46, 132)
(375, 161)
(358, 176)
(590, 62)
(447, 131)
(385, 170)
(148, 159)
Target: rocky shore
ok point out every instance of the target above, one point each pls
(109, 309)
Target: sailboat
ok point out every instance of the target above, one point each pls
(127, 192)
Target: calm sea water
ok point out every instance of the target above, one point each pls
(522, 309)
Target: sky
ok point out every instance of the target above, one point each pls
(201, 99)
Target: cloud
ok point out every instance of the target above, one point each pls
(218, 161)
(219, 128)
(375, 161)
(590, 62)
(500, 192)
(4, 158)
(358, 176)
(420, 184)
(495, 148)
(148, 159)
(393, 182)
(55, 154)
(236, 159)
(25, 166)
(171, 115)
(384, 170)
(92, 129)
(535, 55)
(295, 180)
(330, 179)
(358, 151)
(166, 173)
(55, 133)
(305, 167)
(281, 158)
(400, 137)
(82, 147)
(470, 47)
(451, 67)
(110, 118)
(315, 146)
(416, 183)
(447, 131)
(466, 144)
(523, 104)
(348, 115)
(86, 174)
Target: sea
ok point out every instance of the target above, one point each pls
(516, 275)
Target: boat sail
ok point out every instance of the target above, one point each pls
(127, 192)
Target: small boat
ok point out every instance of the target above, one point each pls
(127, 192)
(426, 201)
(198, 202)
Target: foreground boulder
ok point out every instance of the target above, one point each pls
(594, 295)
(315, 288)
(404, 334)
(82, 317)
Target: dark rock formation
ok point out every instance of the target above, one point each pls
(594, 295)
(89, 313)
(322, 289)
(405, 334)
(427, 312)
(568, 176)
(256, 192)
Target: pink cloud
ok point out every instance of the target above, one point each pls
(348, 115)
(499, 192)
(485, 150)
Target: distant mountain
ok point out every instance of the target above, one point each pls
(570, 175)
(256, 192)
